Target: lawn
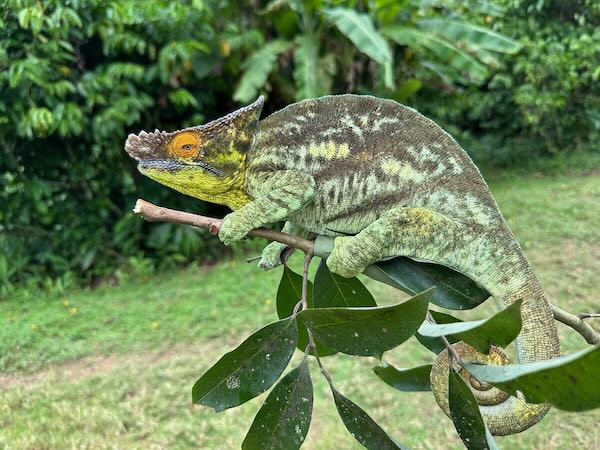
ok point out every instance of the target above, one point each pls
(113, 367)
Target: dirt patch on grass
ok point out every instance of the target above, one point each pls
(99, 365)
(89, 366)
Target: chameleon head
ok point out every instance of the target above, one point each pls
(205, 161)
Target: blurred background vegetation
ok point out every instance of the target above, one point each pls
(515, 81)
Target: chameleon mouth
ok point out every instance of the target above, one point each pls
(170, 165)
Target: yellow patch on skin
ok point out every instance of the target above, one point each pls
(402, 170)
(495, 359)
(232, 155)
(526, 410)
(343, 151)
(313, 149)
(328, 150)
(185, 144)
(198, 183)
(391, 166)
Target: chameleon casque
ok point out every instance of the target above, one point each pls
(384, 179)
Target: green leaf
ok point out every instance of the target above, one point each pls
(332, 290)
(486, 8)
(88, 258)
(283, 420)
(466, 416)
(3, 268)
(364, 429)
(406, 90)
(367, 331)
(569, 382)
(388, 75)
(310, 74)
(473, 36)
(420, 40)
(500, 329)
(288, 296)
(435, 344)
(446, 73)
(453, 289)
(360, 30)
(182, 97)
(415, 379)
(257, 69)
(248, 370)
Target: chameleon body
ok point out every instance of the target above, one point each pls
(383, 179)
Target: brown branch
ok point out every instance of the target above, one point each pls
(154, 213)
(576, 322)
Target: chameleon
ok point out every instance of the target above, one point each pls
(384, 181)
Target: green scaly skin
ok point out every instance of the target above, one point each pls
(386, 180)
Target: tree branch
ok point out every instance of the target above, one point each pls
(576, 322)
(154, 213)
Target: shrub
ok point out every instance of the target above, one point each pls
(77, 77)
(541, 102)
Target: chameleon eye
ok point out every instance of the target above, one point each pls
(185, 144)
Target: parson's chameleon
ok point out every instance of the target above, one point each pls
(387, 182)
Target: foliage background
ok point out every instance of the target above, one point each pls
(76, 77)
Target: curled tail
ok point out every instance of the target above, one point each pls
(503, 413)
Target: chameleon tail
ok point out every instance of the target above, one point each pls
(503, 413)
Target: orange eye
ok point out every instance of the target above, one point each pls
(185, 144)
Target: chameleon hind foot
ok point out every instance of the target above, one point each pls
(347, 258)
(414, 232)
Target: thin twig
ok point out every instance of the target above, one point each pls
(588, 315)
(154, 213)
(307, 259)
(451, 350)
(323, 371)
(311, 340)
(576, 322)
(253, 258)
(297, 308)
(304, 297)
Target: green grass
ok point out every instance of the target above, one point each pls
(117, 371)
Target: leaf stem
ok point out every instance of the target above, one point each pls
(323, 371)
(304, 298)
(451, 351)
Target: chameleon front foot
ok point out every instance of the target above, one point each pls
(347, 259)
(233, 229)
